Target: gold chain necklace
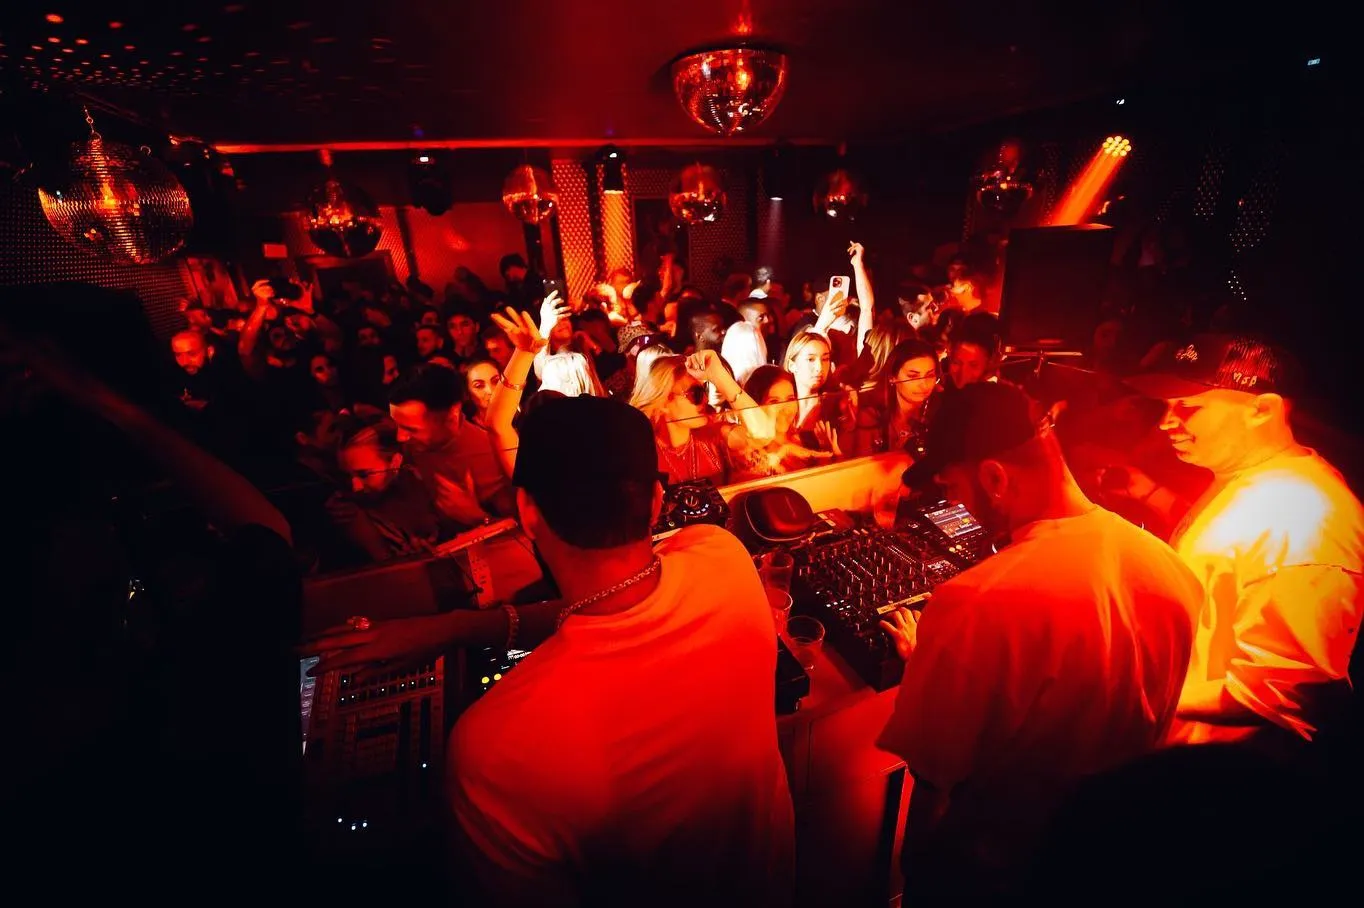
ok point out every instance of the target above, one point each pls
(611, 590)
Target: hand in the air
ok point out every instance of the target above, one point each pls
(903, 629)
(552, 311)
(520, 328)
(703, 364)
(855, 251)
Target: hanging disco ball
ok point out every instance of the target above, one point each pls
(118, 202)
(342, 221)
(1002, 184)
(728, 90)
(1003, 192)
(530, 195)
(840, 196)
(697, 195)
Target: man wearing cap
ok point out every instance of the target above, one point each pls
(1059, 656)
(633, 755)
(1277, 541)
(631, 339)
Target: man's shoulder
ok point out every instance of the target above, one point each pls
(703, 537)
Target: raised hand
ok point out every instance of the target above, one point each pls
(855, 251)
(552, 311)
(702, 365)
(903, 629)
(827, 438)
(520, 328)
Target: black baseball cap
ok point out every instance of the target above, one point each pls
(980, 421)
(1232, 362)
(579, 445)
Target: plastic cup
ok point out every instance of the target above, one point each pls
(780, 603)
(776, 569)
(805, 637)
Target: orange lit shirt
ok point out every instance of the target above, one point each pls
(1279, 549)
(1061, 655)
(637, 751)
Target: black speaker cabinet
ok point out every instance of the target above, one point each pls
(1054, 278)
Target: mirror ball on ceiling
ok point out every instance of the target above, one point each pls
(1002, 185)
(118, 202)
(728, 90)
(529, 195)
(697, 195)
(840, 196)
(342, 220)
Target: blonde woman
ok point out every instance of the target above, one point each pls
(744, 349)
(809, 359)
(692, 442)
(571, 374)
(646, 358)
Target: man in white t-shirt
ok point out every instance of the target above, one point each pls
(1060, 656)
(1277, 541)
(632, 758)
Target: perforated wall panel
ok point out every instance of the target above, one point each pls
(31, 252)
(1255, 207)
(575, 226)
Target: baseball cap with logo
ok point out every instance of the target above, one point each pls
(1231, 362)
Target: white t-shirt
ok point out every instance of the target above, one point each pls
(638, 750)
(1279, 549)
(1061, 655)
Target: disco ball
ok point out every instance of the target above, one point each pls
(529, 195)
(116, 201)
(342, 221)
(697, 195)
(1003, 192)
(1002, 184)
(840, 196)
(730, 89)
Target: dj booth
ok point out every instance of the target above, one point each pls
(374, 752)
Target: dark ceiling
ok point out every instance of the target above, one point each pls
(280, 71)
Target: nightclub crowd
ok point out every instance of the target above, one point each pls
(380, 422)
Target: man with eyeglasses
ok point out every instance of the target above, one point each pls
(1060, 656)
(387, 512)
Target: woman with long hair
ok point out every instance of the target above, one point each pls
(571, 374)
(895, 416)
(481, 378)
(692, 442)
(775, 390)
(809, 359)
(644, 361)
(744, 349)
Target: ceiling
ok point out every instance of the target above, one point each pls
(306, 71)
